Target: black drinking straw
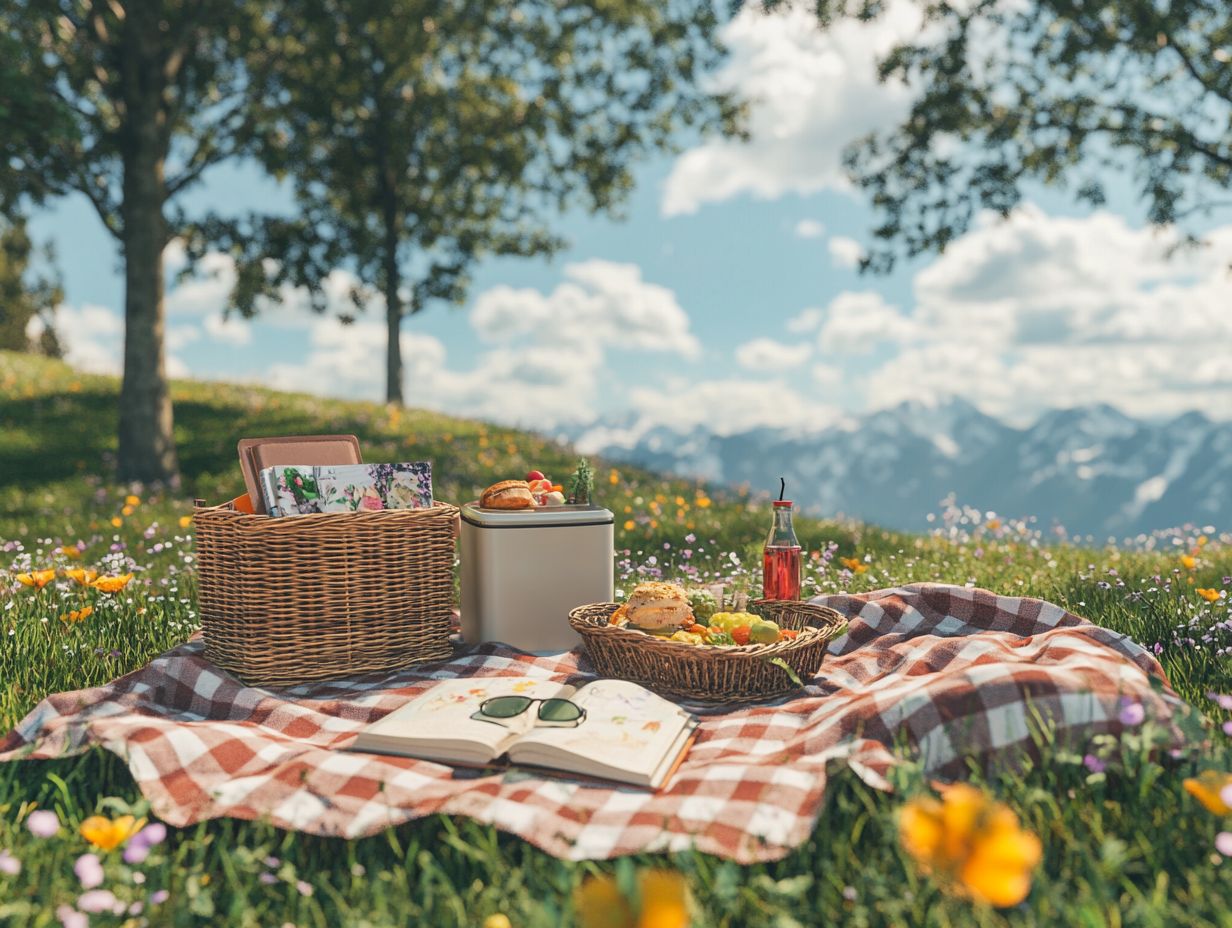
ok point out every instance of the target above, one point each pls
(782, 488)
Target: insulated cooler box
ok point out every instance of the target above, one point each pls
(524, 570)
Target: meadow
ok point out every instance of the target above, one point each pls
(1123, 842)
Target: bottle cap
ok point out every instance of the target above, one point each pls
(782, 503)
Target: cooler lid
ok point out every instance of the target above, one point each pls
(524, 518)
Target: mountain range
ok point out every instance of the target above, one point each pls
(1093, 470)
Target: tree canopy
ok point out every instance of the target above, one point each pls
(1063, 92)
(418, 136)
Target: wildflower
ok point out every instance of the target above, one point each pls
(1208, 594)
(613, 478)
(89, 870)
(37, 578)
(1223, 843)
(108, 834)
(71, 918)
(1207, 787)
(499, 920)
(127, 511)
(854, 564)
(77, 615)
(68, 552)
(973, 842)
(267, 878)
(629, 525)
(1093, 763)
(304, 887)
(99, 900)
(43, 823)
(159, 897)
(131, 500)
(9, 865)
(703, 502)
(185, 521)
(993, 524)
(1132, 713)
(112, 584)
(663, 902)
(1188, 561)
(149, 837)
(82, 576)
(116, 521)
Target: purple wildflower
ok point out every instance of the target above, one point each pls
(43, 823)
(1094, 764)
(99, 900)
(304, 887)
(1132, 713)
(138, 848)
(71, 918)
(267, 878)
(159, 897)
(9, 865)
(89, 870)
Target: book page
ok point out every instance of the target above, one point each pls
(439, 723)
(627, 730)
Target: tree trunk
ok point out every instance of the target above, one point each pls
(393, 307)
(147, 444)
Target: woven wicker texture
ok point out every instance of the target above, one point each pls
(314, 597)
(710, 674)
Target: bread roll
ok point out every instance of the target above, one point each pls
(508, 494)
(659, 607)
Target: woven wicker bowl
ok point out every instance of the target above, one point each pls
(714, 675)
(314, 597)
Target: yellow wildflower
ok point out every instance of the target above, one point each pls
(973, 843)
(1207, 788)
(1208, 594)
(108, 834)
(77, 615)
(37, 578)
(127, 511)
(613, 478)
(1202, 540)
(185, 521)
(68, 552)
(993, 524)
(131, 500)
(117, 521)
(629, 525)
(854, 564)
(703, 502)
(1188, 561)
(664, 902)
(499, 920)
(112, 584)
(81, 575)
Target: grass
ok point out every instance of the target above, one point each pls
(1124, 847)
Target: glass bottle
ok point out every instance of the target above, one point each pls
(781, 556)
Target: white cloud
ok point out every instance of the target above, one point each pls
(766, 354)
(808, 320)
(845, 252)
(228, 329)
(600, 303)
(811, 93)
(827, 375)
(730, 406)
(809, 228)
(1040, 311)
(92, 337)
(858, 322)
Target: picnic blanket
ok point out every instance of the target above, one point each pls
(955, 672)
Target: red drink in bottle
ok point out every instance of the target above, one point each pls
(781, 556)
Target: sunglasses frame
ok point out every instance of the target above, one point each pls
(540, 722)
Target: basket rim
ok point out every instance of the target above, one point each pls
(585, 621)
(438, 508)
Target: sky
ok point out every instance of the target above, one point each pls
(728, 296)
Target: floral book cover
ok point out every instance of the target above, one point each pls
(291, 490)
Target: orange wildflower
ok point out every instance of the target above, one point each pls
(1188, 561)
(77, 615)
(1208, 788)
(973, 843)
(37, 578)
(112, 584)
(108, 834)
(1209, 595)
(68, 552)
(663, 902)
(854, 564)
(81, 575)
(185, 521)
(131, 500)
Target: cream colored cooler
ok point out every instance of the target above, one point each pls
(522, 571)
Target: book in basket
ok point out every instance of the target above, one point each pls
(625, 733)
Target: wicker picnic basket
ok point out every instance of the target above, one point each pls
(726, 675)
(313, 597)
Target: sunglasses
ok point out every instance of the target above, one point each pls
(553, 713)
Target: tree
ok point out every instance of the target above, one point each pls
(1052, 91)
(420, 135)
(126, 102)
(25, 295)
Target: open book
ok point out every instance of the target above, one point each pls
(628, 734)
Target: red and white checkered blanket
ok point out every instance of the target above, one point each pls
(956, 672)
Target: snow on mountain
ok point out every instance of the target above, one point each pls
(1092, 469)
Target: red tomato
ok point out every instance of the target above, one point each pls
(534, 475)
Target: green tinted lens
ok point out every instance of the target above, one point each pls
(558, 710)
(504, 707)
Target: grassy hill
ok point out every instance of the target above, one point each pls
(1123, 847)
